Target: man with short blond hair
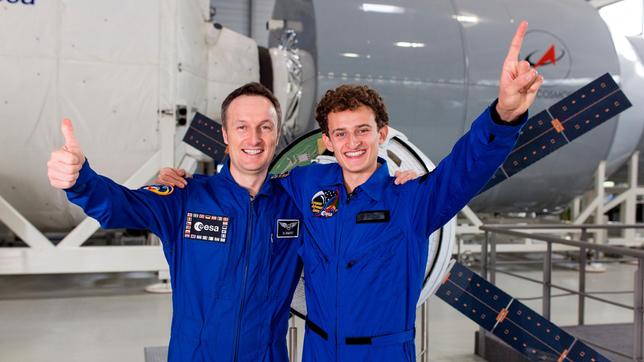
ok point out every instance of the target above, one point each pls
(230, 240)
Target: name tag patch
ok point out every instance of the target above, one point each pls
(206, 227)
(288, 228)
(372, 216)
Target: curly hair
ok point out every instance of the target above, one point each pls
(350, 97)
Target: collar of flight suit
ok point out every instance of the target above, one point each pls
(374, 187)
(266, 189)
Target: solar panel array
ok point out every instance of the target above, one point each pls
(568, 119)
(206, 135)
(510, 320)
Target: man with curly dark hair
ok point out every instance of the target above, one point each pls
(366, 239)
(350, 97)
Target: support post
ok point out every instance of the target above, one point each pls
(484, 246)
(581, 310)
(292, 340)
(484, 274)
(600, 178)
(630, 205)
(638, 311)
(576, 208)
(492, 268)
(424, 332)
(547, 282)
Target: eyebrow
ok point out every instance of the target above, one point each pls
(260, 123)
(358, 126)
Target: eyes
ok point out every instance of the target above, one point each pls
(264, 127)
(339, 134)
(360, 132)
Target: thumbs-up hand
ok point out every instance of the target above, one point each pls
(65, 163)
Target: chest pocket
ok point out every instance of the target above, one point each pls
(373, 236)
(284, 244)
(207, 242)
(279, 246)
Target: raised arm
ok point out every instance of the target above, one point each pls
(439, 195)
(155, 208)
(519, 83)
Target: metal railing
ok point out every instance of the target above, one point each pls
(488, 270)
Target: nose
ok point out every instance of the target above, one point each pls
(255, 137)
(354, 141)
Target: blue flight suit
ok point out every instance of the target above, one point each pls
(365, 253)
(233, 259)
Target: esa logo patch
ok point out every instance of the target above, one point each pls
(206, 227)
(325, 203)
(288, 228)
(161, 190)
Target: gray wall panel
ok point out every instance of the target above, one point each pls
(233, 14)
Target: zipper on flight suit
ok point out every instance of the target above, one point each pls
(337, 281)
(247, 260)
(352, 194)
(349, 196)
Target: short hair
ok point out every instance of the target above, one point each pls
(350, 97)
(251, 89)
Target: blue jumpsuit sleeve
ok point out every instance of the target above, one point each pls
(291, 182)
(197, 176)
(437, 196)
(115, 206)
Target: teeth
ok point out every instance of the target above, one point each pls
(252, 152)
(354, 154)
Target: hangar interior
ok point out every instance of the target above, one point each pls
(559, 232)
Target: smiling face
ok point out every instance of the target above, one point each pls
(354, 138)
(251, 133)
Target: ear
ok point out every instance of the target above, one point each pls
(224, 132)
(327, 142)
(382, 134)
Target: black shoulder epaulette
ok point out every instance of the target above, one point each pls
(279, 175)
